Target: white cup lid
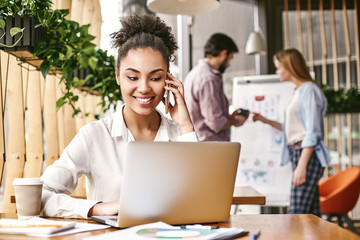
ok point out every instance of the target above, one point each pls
(28, 181)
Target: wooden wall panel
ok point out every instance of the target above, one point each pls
(69, 124)
(60, 116)
(310, 37)
(357, 48)
(34, 131)
(63, 4)
(4, 72)
(2, 136)
(96, 22)
(87, 11)
(323, 43)
(76, 10)
(286, 24)
(51, 121)
(25, 78)
(336, 78)
(15, 153)
(348, 79)
(299, 25)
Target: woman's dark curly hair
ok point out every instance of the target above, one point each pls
(141, 31)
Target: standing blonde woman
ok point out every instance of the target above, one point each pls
(303, 144)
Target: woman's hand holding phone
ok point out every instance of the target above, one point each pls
(178, 112)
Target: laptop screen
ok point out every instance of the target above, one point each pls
(178, 182)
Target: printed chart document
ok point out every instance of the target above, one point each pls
(160, 230)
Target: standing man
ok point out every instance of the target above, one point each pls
(204, 93)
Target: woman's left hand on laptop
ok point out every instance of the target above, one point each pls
(104, 209)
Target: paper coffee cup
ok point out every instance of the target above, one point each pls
(28, 197)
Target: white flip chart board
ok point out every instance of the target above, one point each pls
(259, 163)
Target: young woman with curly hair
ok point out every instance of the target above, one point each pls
(145, 47)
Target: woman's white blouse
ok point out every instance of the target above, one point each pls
(95, 151)
(294, 130)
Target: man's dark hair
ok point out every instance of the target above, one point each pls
(218, 42)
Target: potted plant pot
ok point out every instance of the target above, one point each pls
(26, 42)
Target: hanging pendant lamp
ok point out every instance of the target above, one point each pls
(183, 7)
(255, 44)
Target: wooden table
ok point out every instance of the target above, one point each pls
(289, 227)
(247, 195)
(273, 227)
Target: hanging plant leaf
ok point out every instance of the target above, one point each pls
(40, 48)
(60, 102)
(69, 52)
(93, 62)
(2, 24)
(15, 30)
(67, 73)
(45, 68)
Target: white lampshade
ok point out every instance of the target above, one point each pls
(255, 44)
(183, 7)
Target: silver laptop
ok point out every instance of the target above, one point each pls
(177, 183)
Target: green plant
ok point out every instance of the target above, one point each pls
(342, 101)
(68, 48)
(23, 7)
(104, 79)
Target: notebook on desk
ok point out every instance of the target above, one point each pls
(176, 182)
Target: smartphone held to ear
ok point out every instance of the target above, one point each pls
(243, 112)
(167, 100)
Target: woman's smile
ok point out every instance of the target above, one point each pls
(144, 100)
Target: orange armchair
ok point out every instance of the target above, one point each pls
(339, 194)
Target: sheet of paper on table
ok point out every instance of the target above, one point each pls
(41, 227)
(160, 230)
(79, 227)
